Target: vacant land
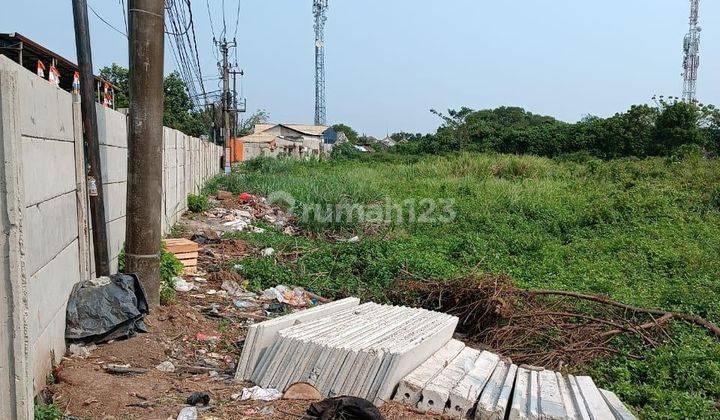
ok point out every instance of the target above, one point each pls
(644, 232)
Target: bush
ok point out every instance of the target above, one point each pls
(197, 203)
(47, 412)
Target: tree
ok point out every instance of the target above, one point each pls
(178, 111)
(678, 124)
(248, 126)
(351, 134)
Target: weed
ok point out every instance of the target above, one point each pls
(197, 203)
(643, 231)
(47, 412)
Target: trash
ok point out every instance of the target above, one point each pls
(97, 314)
(297, 297)
(224, 195)
(354, 240)
(350, 408)
(302, 391)
(206, 237)
(188, 413)
(200, 280)
(267, 411)
(181, 285)
(258, 230)
(198, 398)
(260, 394)
(238, 225)
(267, 252)
(275, 308)
(245, 197)
(123, 369)
(166, 366)
(231, 286)
(206, 337)
(80, 351)
(244, 304)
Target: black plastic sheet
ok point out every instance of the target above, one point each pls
(104, 312)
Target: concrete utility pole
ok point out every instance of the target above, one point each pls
(90, 128)
(145, 159)
(226, 101)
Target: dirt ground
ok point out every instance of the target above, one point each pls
(201, 333)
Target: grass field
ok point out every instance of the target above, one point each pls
(645, 232)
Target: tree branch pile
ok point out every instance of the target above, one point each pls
(541, 327)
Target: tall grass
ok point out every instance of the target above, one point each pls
(645, 232)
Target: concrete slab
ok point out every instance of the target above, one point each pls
(594, 401)
(524, 400)
(581, 409)
(550, 397)
(494, 399)
(410, 387)
(466, 393)
(408, 359)
(265, 332)
(437, 391)
(616, 406)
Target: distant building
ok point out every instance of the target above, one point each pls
(273, 140)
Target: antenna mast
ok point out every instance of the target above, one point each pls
(691, 47)
(319, 11)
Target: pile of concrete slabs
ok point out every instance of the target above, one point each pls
(461, 382)
(360, 351)
(260, 336)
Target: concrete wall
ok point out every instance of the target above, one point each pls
(44, 217)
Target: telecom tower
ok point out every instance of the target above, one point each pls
(691, 61)
(319, 11)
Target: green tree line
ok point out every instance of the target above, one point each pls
(641, 131)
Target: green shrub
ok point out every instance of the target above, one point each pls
(47, 412)
(197, 203)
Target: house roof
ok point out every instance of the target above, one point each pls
(311, 130)
(258, 138)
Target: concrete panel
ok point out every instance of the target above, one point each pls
(112, 127)
(437, 391)
(51, 343)
(114, 164)
(115, 200)
(48, 168)
(49, 289)
(266, 332)
(617, 407)
(493, 402)
(466, 393)
(46, 110)
(49, 227)
(116, 236)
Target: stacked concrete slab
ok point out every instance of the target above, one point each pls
(362, 351)
(260, 336)
(463, 383)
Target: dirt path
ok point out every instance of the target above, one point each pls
(201, 334)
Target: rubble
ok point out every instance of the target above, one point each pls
(166, 366)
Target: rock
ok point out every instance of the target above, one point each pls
(166, 366)
(181, 285)
(231, 286)
(257, 230)
(267, 252)
(78, 350)
(188, 413)
(224, 195)
(302, 391)
(244, 214)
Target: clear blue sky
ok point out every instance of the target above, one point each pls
(390, 61)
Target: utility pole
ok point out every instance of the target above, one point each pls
(145, 159)
(90, 129)
(226, 101)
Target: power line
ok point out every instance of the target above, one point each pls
(106, 22)
(237, 22)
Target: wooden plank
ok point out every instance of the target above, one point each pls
(187, 256)
(180, 246)
(189, 263)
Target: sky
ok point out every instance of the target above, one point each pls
(389, 62)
